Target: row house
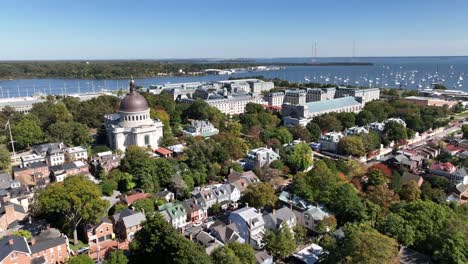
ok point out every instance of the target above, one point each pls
(127, 223)
(226, 233)
(174, 213)
(34, 175)
(250, 225)
(104, 161)
(195, 211)
(279, 218)
(76, 153)
(100, 237)
(60, 172)
(451, 172)
(242, 179)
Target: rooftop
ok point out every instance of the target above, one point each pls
(328, 105)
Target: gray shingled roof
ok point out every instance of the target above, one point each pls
(49, 238)
(19, 244)
(133, 220)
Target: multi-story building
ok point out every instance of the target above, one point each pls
(51, 246)
(76, 153)
(35, 175)
(60, 172)
(356, 131)
(294, 115)
(295, 97)
(367, 94)
(20, 104)
(200, 128)
(127, 223)
(26, 160)
(195, 211)
(15, 250)
(174, 213)
(250, 225)
(279, 218)
(428, 101)
(329, 141)
(53, 152)
(274, 99)
(259, 158)
(100, 236)
(316, 94)
(232, 104)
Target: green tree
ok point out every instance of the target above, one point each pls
(108, 186)
(300, 234)
(224, 255)
(464, 129)
(260, 194)
(328, 224)
(410, 192)
(116, 257)
(146, 205)
(70, 133)
(76, 199)
(352, 145)
(365, 117)
(347, 205)
(157, 240)
(27, 132)
(300, 133)
(364, 245)
(244, 252)
(328, 122)
(5, 158)
(301, 157)
(314, 131)
(23, 233)
(347, 119)
(376, 178)
(395, 131)
(282, 244)
(395, 226)
(81, 259)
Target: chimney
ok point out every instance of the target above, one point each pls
(246, 204)
(32, 241)
(11, 242)
(274, 211)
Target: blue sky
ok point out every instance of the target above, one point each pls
(105, 29)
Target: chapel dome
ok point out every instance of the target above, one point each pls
(133, 101)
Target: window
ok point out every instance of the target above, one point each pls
(147, 139)
(107, 228)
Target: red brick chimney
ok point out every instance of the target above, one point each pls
(11, 242)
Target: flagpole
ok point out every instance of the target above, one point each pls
(11, 139)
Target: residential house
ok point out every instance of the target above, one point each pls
(166, 195)
(459, 193)
(26, 160)
(177, 150)
(195, 211)
(259, 158)
(356, 131)
(329, 141)
(376, 126)
(174, 213)
(235, 192)
(205, 197)
(76, 153)
(6, 182)
(310, 254)
(50, 245)
(209, 242)
(35, 175)
(452, 150)
(262, 257)
(53, 152)
(14, 250)
(307, 214)
(396, 120)
(250, 225)
(163, 152)
(407, 177)
(458, 176)
(276, 219)
(242, 179)
(226, 233)
(60, 172)
(445, 169)
(401, 160)
(222, 193)
(127, 223)
(129, 199)
(201, 128)
(100, 236)
(104, 161)
(10, 213)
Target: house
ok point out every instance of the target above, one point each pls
(356, 131)
(166, 195)
(100, 236)
(163, 152)
(201, 128)
(226, 233)
(209, 242)
(276, 219)
(174, 213)
(458, 176)
(14, 249)
(195, 211)
(76, 153)
(310, 254)
(442, 168)
(60, 172)
(376, 126)
(235, 192)
(26, 160)
(50, 245)
(262, 257)
(11, 213)
(250, 225)
(452, 150)
(329, 141)
(396, 120)
(131, 198)
(53, 152)
(222, 193)
(241, 180)
(177, 150)
(307, 214)
(459, 193)
(6, 182)
(127, 223)
(402, 160)
(35, 175)
(407, 177)
(104, 161)
(260, 157)
(205, 197)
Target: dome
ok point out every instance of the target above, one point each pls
(133, 101)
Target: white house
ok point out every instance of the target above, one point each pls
(250, 225)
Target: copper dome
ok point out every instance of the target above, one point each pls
(133, 101)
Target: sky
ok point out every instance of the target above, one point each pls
(144, 29)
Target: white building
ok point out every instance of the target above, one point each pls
(26, 160)
(200, 128)
(366, 95)
(396, 120)
(250, 225)
(295, 97)
(274, 99)
(233, 104)
(260, 157)
(330, 140)
(132, 125)
(356, 131)
(76, 153)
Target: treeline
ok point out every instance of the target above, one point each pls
(105, 69)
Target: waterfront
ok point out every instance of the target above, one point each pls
(404, 72)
